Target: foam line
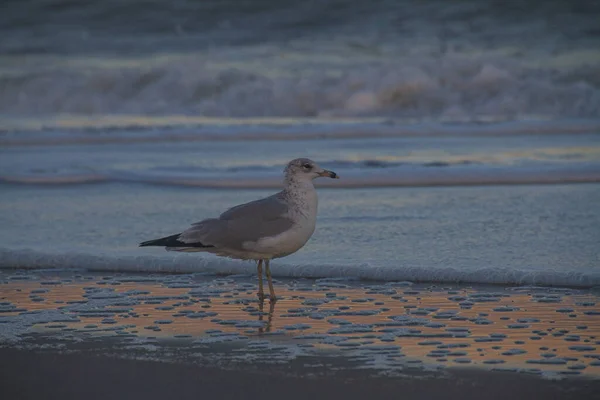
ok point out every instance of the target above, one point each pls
(185, 263)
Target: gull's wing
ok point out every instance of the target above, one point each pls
(244, 223)
(271, 207)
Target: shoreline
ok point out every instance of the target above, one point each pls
(72, 334)
(161, 263)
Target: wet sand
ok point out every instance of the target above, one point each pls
(78, 334)
(31, 375)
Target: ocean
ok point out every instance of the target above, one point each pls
(466, 134)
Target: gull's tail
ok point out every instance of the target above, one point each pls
(173, 243)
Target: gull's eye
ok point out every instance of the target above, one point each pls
(306, 166)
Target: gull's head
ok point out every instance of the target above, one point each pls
(306, 169)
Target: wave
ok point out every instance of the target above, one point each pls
(372, 175)
(240, 59)
(183, 263)
(457, 89)
(74, 130)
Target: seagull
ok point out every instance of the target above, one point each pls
(261, 230)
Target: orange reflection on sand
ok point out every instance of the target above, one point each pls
(516, 321)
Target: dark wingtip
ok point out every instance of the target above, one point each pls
(165, 241)
(171, 241)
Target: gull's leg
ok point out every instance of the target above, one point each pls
(261, 293)
(268, 271)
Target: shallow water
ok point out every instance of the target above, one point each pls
(228, 159)
(496, 234)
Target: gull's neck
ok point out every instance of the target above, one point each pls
(293, 183)
(301, 195)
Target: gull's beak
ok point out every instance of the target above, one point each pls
(329, 174)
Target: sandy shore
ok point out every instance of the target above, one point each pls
(75, 335)
(31, 375)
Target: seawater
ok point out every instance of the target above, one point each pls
(466, 134)
(435, 60)
(527, 234)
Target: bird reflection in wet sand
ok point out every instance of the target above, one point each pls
(261, 314)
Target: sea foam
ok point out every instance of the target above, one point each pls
(185, 263)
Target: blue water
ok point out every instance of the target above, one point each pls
(466, 133)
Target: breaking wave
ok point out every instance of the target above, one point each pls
(455, 89)
(450, 61)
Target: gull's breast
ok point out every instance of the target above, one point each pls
(287, 242)
(304, 215)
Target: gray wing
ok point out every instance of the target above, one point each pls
(269, 208)
(243, 223)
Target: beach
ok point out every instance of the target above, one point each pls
(112, 334)
(444, 291)
(456, 257)
(48, 376)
